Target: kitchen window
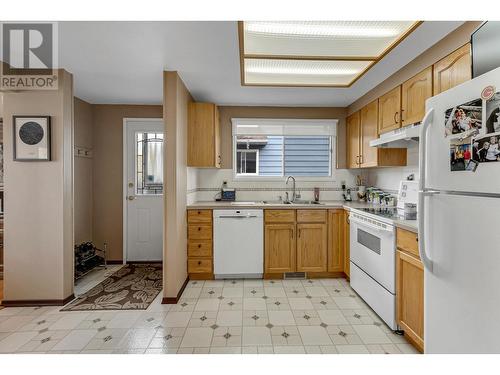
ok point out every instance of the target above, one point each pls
(273, 148)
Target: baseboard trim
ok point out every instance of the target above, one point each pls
(37, 302)
(309, 275)
(145, 262)
(175, 300)
(201, 276)
(114, 261)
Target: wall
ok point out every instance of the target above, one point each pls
(83, 172)
(108, 171)
(175, 104)
(388, 178)
(210, 180)
(39, 230)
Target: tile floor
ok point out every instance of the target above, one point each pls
(221, 316)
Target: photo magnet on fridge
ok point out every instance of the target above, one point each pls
(493, 114)
(486, 148)
(460, 154)
(464, 118)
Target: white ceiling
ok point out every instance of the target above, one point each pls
(122, 63)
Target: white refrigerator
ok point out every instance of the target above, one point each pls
(459, 218)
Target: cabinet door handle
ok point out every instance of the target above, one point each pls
(299, 232)
(199, 228)
(199, 262)
(396, 119)
(199, 246)
(402, 120)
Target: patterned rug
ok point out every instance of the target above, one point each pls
(132, 287)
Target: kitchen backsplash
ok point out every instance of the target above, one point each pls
(204, 184)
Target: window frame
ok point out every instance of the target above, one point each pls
(256, 177)
(253, 151)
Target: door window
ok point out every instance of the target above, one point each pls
(149, 163)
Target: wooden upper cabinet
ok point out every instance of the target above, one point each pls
(415, 92)
(336, 240)
(203, 136)
(311, 247)
(361, 129)
(353, 140)
(369, 132)
(279, 248)
(389, 106)
(453, 70)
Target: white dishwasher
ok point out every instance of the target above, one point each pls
(238, 243)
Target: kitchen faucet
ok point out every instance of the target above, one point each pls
(294, 195)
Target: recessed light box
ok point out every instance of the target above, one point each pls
(316, 53)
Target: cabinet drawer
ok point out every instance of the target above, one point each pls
(200, 216)
(199, 265)
(199, 232)
(279, 216)
(311, 216)
(407, 241)
(199, 248)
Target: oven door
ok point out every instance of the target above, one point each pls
(373, 247)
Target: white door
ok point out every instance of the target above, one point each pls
(143, 190)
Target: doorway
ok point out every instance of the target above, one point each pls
(143, 141)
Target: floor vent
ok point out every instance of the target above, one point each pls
(295, 275)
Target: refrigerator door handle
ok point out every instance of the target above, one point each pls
(426, 122)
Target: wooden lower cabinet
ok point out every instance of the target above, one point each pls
(279, 248)
(336, 240)
(304, 240)
(199, 244)
(410, 297)
(347, 239)
(311, 247)
(315, 241)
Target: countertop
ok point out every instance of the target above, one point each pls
(410, 225)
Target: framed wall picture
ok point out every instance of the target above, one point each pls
(31, 138)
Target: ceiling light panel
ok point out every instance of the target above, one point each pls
(302, 72)
(322, 38)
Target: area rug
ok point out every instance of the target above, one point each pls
(132, 287)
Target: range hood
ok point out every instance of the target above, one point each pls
(399, 138)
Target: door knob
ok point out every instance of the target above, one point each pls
(130, 197)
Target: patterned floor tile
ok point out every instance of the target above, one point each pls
(319, 316)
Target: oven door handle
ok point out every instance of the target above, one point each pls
(387, 228)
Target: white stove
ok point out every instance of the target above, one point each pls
(373, 260)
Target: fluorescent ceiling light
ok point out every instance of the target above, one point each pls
(248, 126)
(307, 70)
(315, 53)
(321, 29)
